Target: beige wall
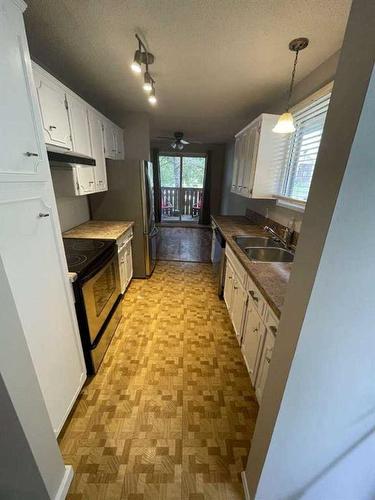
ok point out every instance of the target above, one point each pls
(73, 210)
(137, 136)
(233, 204)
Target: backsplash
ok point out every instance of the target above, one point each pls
(261, 220)
(73, 210)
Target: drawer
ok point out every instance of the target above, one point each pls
(271, 321)
(237, 266)
(124, 238)
(256, 297)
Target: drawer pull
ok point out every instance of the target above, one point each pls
(28, 153)
(253, 296)
(268, 359)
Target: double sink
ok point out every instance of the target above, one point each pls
(263, 249)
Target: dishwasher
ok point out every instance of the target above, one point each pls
(218, 258)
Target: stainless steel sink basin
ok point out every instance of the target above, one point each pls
(255, 241)
(269, 254)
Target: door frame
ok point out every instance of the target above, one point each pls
(181, 156)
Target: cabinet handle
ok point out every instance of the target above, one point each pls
(41, 215)
(52, 127)
(268, 359)
(235, 287)
(28, 153)
(229, 277)
(254, 297)
(256, 330)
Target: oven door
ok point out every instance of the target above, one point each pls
(100, 293)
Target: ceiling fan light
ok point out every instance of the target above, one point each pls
(136, 64)
(147, 86)
(180, 146)
(285, 124)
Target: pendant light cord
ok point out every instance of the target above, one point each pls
(292, 81)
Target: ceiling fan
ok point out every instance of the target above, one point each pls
(178, 141)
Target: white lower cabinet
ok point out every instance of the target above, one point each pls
(254, 324)
(264, 364)
(125, 259)
(252, 341)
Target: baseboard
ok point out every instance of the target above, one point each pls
(65, 483)
(244, 484)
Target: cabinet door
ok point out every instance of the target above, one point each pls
(228, 286)
(21, 142)
(120, 144)
(79, 123)
(85, 179)
(252, 340)
(109, 134)
(96, 135)
(250, 155)
(38, 278)
(239, 300)
(129, 262)
(122, 269)
(264, 365)
(54, 112)
(236, 160)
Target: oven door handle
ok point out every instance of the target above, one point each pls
(99, 264)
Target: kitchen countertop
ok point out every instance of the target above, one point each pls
(100, 229)
(270, 277)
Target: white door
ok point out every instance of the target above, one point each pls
(129, 262)
(110, 147)
(264, 365)
(21, 145)
(228, 286)
(252, 340)
(53, 109)
(238, 307)
(29, 251)
(96, 135)
(85, 179)
(79, 123)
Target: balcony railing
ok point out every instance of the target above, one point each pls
(184, 202)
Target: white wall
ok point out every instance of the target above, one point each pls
(73, 210)
(315, 434)
(233, 204)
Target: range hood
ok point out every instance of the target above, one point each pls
(68, 157)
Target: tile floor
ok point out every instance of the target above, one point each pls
(171, 412)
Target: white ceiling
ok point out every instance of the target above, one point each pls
(216, 60)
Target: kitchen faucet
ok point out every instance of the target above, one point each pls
(285, 239)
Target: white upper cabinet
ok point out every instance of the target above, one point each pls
(79, 123)
(21, 152)
(256, 159)
(110, 140)
(97, 146)
(54, 112)
(120, 154)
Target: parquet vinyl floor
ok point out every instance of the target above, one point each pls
(171, 412)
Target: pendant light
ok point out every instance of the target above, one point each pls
(285, 123)
(147, 86)
(152, 98)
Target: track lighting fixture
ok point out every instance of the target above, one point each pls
(143, 56)
(285, 124)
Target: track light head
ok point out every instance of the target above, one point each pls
(136, 64)
(152, 98)
(147, 86)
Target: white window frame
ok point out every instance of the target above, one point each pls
(284, 201)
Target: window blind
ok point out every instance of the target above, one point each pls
(302, 149)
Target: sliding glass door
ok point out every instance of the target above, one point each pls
(181, 182)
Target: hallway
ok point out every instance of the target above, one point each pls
(185, 244)
(171, 412)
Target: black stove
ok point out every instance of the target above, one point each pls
(82, 253)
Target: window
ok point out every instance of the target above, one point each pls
(303, 145)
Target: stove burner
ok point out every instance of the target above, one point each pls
(88, 245)
(75, 260)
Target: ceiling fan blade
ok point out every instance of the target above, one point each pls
(174, 145)
(164, 137)
(184, 141)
